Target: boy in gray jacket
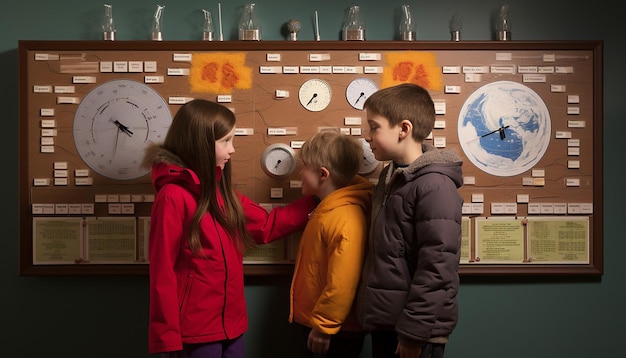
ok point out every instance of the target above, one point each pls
(407, 296)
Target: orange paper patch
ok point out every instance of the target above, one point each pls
(219, 72)
(412, 67)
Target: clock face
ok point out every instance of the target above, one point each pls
(315, 94)
(359, 90)
(504, 128)
(114, 123)
(278, 160)
(369, 163)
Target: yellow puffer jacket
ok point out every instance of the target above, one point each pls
(330, 258)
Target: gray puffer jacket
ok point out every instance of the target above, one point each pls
(410, 278)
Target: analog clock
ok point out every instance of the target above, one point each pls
(504, 128)
(315, 94)
(278, 160)
(358, 90)
(369, 163)
(113, 124)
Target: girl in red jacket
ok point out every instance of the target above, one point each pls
(199, 228)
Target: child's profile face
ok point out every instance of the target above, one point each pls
(382, 138)
(224, 149)
(311, 179)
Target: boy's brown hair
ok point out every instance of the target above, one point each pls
(404, 101)
(339, 153)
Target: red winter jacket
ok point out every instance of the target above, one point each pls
(201, 299)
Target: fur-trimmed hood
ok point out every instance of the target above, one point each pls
(167, 167)
(157, 153)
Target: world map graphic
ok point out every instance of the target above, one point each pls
(504, 128)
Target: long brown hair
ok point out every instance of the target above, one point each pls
(192, 135)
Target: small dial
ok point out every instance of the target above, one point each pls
(278, 160)
(369, 163)
(315, 94)
(359, 90)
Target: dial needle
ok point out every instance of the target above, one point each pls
(277, 164)
(501, 130)
(358, 99)
(117, 137)
(123, 128)
(312, 98)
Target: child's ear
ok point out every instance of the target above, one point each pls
(406, 128)
(324, 173)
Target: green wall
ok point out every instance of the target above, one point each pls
(499, 317)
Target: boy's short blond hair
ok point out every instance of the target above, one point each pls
(404, 101)
(339, 153)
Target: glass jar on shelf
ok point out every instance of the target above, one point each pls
(353, 25)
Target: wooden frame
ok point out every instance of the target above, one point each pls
(566, 181)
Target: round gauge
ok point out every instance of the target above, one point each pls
(278, 160)
(369, 163)
(358, 90)
(315, 94)
(113, 124)
(504, 128)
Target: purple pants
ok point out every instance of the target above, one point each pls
(222, 349)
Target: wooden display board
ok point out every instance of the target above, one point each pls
(525, 116)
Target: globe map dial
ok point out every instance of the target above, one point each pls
(504, 128)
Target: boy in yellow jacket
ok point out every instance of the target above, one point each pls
(331, 252)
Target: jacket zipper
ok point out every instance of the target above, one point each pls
(225, 277)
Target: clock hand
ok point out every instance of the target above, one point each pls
(123, 128)
(312, 98)
(500, 130)
(358, 99)
(117, 137)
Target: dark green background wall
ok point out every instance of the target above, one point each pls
(506, 317)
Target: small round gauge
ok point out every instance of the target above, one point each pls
(113, 124)
(315, 94)
(369, 163)
(278, 160)
(358, 90)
